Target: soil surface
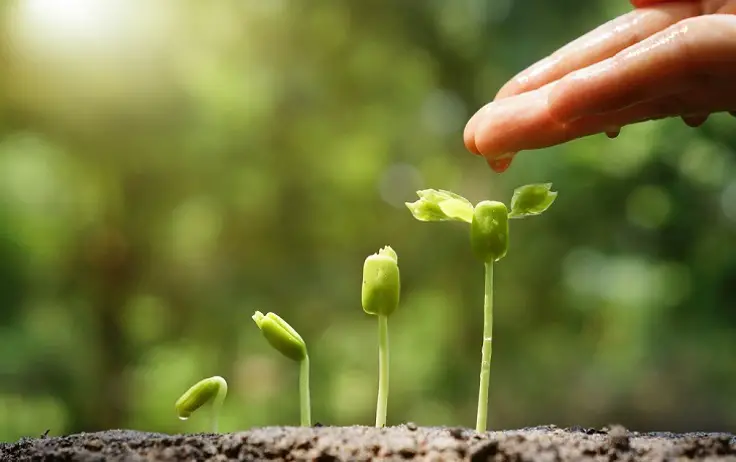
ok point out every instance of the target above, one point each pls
(401, 443)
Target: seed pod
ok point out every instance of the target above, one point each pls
(381, 283)
(281, 336)
(489, 231)
(213, 388)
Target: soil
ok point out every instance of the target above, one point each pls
(402, 443)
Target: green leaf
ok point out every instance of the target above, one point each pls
(440, 205)
(532, 199)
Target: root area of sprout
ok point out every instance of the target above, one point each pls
(364, 443)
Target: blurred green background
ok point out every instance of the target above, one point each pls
(167, 168)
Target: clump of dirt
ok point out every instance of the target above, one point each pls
(401, 443)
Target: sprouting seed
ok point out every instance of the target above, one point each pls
(211, 390)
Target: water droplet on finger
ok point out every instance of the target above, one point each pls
(695, 121)
(500, 164)
(612, 131)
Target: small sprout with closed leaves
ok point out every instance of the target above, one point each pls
(380, 297)
(287, 341)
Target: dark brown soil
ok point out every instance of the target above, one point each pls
(402, 443)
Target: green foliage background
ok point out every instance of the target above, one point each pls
(168, 168)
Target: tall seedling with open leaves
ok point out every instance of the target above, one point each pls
(489, 239)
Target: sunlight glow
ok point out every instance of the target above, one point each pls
(73, 22)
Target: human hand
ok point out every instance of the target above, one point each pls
(661, 60)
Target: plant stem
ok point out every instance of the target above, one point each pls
(217, 402)
(304, 395)
(485, 365)
(382, 406)
(215, 416)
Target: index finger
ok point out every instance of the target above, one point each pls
(645, 3)
(600, 44)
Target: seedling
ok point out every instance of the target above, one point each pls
(489, 239)
(212, 389)
(289, 343)
(380, 297)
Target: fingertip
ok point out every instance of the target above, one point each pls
(517, 123)
(489, 134)
(469, 135)
(469, 141)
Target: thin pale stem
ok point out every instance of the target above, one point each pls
(382, 406)
(215, 416)
(485, 365)
(304, 395)
(217, 402)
